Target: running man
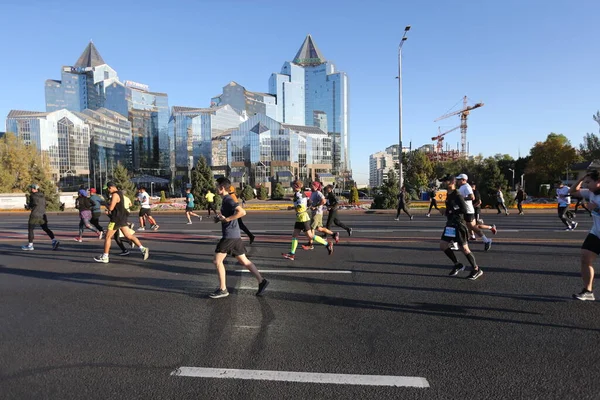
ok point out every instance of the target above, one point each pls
(500, 201)
(118, 222)
(84, 205)
(303, 223)
(332, 207)
(317, 201)
(402, 203)
(456, 231)
(478, 220)
(231, 241)
(433, 203)
(97, 203)
(241, 224)
(189, 206)
(564, 200)
(37, 206)
(468, 196)
(145, 210)
(210, 201)
(520, 198)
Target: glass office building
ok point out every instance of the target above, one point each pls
(245, 101)
(310, 91)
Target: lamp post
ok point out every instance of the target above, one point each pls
(522, 187)
(513, 178)
(151, 189)
(401, 173)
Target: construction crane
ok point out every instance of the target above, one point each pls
(439, 148)
(464, 113)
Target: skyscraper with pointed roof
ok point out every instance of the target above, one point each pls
(82, 85)
(310, 91)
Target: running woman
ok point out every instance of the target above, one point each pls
(520, 198)
(241, 224)
(564, 200)
(118, 222)
(97, 203)
(456, 231)
(145, 210)
(84, 205)
(231, 241)
(37, 206)
(332, 207)
(478, 220)
(189, 206)
(402, 203)
(303, 223)
(500, 201)
(433, 202)
(317, 201)
(591, 245)
(466, 192)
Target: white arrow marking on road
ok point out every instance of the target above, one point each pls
(304, 377)
(298, 271)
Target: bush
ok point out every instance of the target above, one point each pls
(248, 193)
(163, 197)
(278, 192)
(263, 193)
(354, 195)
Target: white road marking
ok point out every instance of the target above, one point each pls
(299, 271)
(304, 377)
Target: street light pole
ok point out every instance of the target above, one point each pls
(400, 170)
(151, 189)
(522, 175)
(513, 178)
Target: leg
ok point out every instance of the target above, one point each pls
(398, 211)
(562, 211)
(87, 224)
(142, 223)
(81, 225)
(45, 229)
(120, 242)
(244, 228)
(109, 235)
(243, 260)
(587, 268)
(218, 261)
(187, 214)
(406, 211)
(430, 207)
(151, 219)
(130, 237)
(96, 221)
(30, 234)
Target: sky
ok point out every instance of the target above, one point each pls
(533, 63)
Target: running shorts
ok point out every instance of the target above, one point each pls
(116, 225)
(189, 209)
(303, 226)
(317, 221)
(144, 211)
(591, 243)
(456, 234)
(233, 247)
(469, 217)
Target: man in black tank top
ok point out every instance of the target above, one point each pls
(118, 221)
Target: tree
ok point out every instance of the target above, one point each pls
(551, 158)
(248, 192)
(354, 195)
(419, 171)
(202, 180)
(122, 179)
(278, 192)
(263, 193)
(590, 148)
(388, 196)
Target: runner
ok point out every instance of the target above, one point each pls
(456, 231)
(317, 201)
(84, 205)
(466, 192)
(402, 203)
(37, 206)
(478, 219)
(581, 203)
(303, 223)
(120, 239)
(520, 198)
(591, 245)
(433, 203)
(231, 241)
(500, 201)
(332, 207)
(210, 201)
(241, 224)
(145, 210)
(118, 222)
(97, 203)
(564, 200)
(189, 206)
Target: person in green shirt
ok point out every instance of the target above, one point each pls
(189, 206)
(210, 200)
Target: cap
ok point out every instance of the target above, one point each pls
(92, 190)
(317, 185)
(34, 186)
(110, 184)
(82, 192)
(463, 176)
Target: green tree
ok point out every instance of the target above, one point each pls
(551, 158)
(418, 171)
(278, 192)
(163, 197)
(248, 192)
(590, 148)
(122, 179)
(388, 196)
(263, 193)
(202, 180)
(354, 195)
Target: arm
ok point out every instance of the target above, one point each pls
(113, 202)
(574, 190)
(239, 213)
(460, 201)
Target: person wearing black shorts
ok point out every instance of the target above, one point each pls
(456, 231)
(231, 241)
(332, 207)
(433, 202)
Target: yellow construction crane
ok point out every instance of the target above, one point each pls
(464, 113)
(439, 148)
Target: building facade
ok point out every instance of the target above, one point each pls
(310, 91)
(246, 102)
(380, 164)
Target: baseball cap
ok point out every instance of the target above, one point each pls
(463, 176)
(92, 190)
(82, 192)
(34, 186)
(317, 185)
(110, 184)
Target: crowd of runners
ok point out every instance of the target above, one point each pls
(462, 211)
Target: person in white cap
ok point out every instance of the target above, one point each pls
(467, 193)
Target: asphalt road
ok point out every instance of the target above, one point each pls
(381, 305)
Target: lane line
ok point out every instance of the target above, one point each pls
(298, 271)
(303, 377)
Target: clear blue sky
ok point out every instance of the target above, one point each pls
(533, 63)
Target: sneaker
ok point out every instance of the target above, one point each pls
(584, 296)
(568, 228)
(396, 219)
(289, 256)
(124, 253)
(141, 228)
(487, 245)
(155, 227)
(507, 213)
(252, 239)
(329, 248)
(472, 237)
(428, 215)
(55, 244)
(188, 223)
(475, 274)
(457, 268)
(200, 217)
(574, 225)
(101, 259)
(262, 286)
(336, 237)
(100, 235)
(217, 294)
(146, 253)
(494, 230)
(349, 231)
(454, 246)
(131, 225)
(27, 248)
(308, 247)
(78, 239)
(411, 217)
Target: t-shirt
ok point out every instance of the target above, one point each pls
(456, 208)
(189, 199)
(316, 198)
(464, 191)
(144, 199)
(595, 198)
(301, 206)
(127, 203)
(231, 229)
(476, 199)
(564, 199)
(332, 201)
(500, 196)
(210, 197)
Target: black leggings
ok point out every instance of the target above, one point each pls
(433, 204)
(120, 240)
(96, 221)
(562, 214)
(402, 207)
(332, 217)
(43, 223)
(244, 228)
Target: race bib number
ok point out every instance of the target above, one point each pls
(450, 231)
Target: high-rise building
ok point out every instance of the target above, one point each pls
(82, 85)
(245, 101)
(310, 91)
(380, 164)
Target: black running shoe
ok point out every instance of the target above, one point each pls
(329, 248)
(262, 286)
(584, 296)
(252, 239)
(217, 294)
(475, 274)
(349, 231)
(457, 268)
(124, 253)
(487, 245)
